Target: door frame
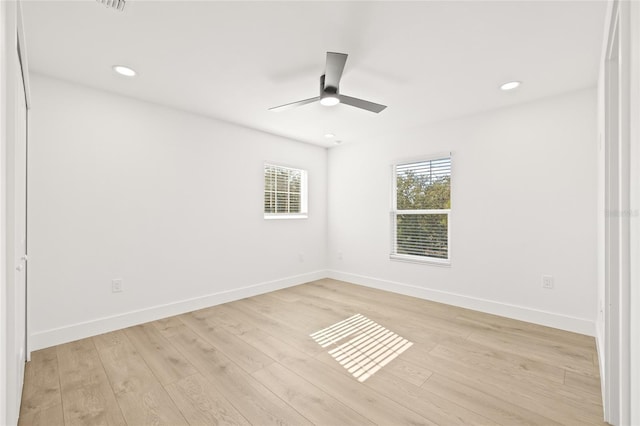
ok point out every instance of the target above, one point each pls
(4, 116)
(633, 10)
(620, 97)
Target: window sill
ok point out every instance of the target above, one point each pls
(286, 216)
(419, 259)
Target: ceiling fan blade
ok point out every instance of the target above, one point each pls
(294, 104)
(333, 71)
(361, 103)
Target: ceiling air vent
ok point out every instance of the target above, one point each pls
(114, 4)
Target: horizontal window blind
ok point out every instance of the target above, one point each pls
(420, 214)
(423, 235)
(284, 190)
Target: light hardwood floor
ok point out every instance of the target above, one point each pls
(253, 362)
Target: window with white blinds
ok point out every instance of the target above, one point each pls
(285, 192)
(420, 211)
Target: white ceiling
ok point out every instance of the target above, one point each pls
(427, 61)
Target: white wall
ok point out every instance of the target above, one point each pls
(523, 205)
(172, 203)
(168, 201)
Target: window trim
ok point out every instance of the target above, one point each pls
(394, 255)
(304, 188)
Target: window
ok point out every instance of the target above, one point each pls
(285, 192)
(420, 212)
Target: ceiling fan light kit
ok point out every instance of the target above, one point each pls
(330, 88)
(329, 100)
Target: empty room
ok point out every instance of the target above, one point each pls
(327, 213)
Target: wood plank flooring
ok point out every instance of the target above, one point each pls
(254, 361)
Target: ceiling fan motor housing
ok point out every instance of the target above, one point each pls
(328, 90)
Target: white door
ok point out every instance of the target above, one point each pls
(16, 239)
(20, 240)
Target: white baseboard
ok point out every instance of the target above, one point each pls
(549, 319)
(56, 336)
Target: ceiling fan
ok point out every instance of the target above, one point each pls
(330, 88)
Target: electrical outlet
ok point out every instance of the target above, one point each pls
(301, 257)
(339, 255)
(116, 285)
(547, 282)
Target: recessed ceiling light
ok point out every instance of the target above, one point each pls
(330, 101)
(329, 135)
(510, 85)
(126, 71)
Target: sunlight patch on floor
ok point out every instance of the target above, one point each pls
(370, 347)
